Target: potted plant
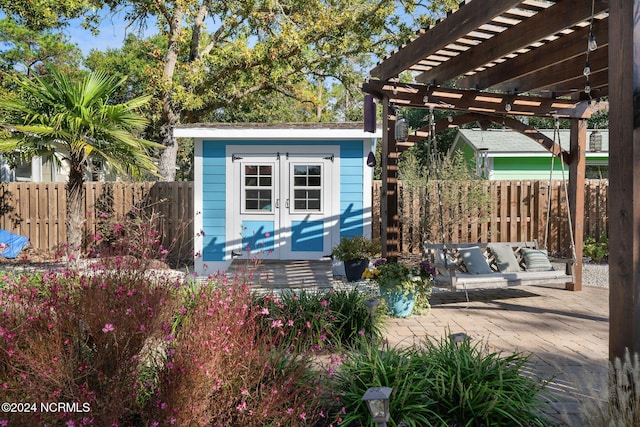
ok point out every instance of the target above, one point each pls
(402, 287)
(355, 252)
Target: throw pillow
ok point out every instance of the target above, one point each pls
(536, 259)
(440, 261)
(474, 260)
(505, 258)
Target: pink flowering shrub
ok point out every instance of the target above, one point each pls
(224, 369)
(83, 339)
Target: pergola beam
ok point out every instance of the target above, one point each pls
(413, 95)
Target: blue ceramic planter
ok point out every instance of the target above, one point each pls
(398, 304)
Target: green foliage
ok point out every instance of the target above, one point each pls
(40, 15)
(59, 118)
(315, 321)
(401, 369)
(440, 384)
(470, 385)
(356, 247)
(597, 250)
(25, 50)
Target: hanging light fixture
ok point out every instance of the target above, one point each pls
(595, 141)
(402, 129)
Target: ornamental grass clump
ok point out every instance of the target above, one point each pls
(373, 366)
(226, 369)
(615, 403)
(469, 385)
(438, 383)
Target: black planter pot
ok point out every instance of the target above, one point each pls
(354, 268)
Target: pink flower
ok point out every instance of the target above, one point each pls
(108, 328)
(277, 324)
(303, 416)
(244, 392)
(265, 311)
(324, 303)
(361, 332)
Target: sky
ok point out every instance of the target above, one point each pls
(113, 32)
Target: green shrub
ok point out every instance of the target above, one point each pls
(401, 369)
(439, 384)
(317, 321)
(597, 250)
(356, 247)
(471, 386)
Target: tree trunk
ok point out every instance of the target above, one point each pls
(75, 216)
(170, 115)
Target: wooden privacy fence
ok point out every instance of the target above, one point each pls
(514, 211)
(38, 211)
(517, 212)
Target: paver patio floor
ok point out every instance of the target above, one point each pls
(566, 333)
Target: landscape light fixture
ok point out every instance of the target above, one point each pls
(458, 338)
(377, 400)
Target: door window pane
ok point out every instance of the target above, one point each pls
(307, 191)
(258, 189)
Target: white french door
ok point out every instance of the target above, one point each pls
(287, 202)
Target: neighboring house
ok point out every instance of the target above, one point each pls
(38, 171)
(502, 154)
(277, 191)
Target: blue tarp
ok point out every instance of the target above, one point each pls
(11, 244)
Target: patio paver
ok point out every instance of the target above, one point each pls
(566, 333)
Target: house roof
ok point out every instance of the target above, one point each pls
(505, 141)
(307, 130)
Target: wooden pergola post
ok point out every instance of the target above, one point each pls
(389, 233)
(624, 177)
(577, 166)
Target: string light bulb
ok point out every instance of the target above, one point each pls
(587, 69)
(593, 45)
(587, 88)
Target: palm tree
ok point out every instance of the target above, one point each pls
(72, 120)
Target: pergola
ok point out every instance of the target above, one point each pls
(501, 60)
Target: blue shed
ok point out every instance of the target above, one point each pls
(277, 191)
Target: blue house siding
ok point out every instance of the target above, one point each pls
(214, 201)
(351, 189)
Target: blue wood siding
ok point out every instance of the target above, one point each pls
(351, 189)
(213, 202)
